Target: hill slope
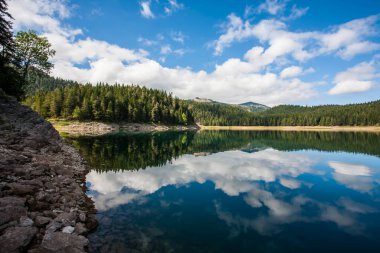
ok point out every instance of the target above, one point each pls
(254, 107)
(289, 115)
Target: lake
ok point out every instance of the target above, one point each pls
(234, 191)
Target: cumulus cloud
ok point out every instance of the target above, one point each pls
(346, 40)
(41, 14)
(234, 80)
(356, 79)
(145, 11)
(349, 39)
(294, 71)
(291, 71)
(249, 78)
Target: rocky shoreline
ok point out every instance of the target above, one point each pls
(100, 128)
(43, 205)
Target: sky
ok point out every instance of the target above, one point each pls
(268, 51)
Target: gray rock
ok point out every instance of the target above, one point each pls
(68, 230)
(62, 242)
(80, 229)
(82, 217)
(25, 221)
(16, 239)
(11, 209)
(21, 189)
(53, 226)
(67, 219)
(42, 221)
(12, 201)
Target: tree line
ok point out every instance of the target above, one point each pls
(288, 115)
(112, 103)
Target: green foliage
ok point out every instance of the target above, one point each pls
(38, 81)
(218, 114)
(113, 103)
(130, 152)
(288, 115)
(10, 79)
(34, 52)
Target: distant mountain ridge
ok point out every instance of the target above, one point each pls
(254, 107)
(249, 106)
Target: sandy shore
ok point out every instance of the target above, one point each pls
(296, 128)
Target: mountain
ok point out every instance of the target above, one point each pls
(254, 107)
(205, 100)
(249, 106)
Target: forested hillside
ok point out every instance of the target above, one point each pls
(58, 98)
(113, 103)
(219, 114)
(288, 115)
(37, 81)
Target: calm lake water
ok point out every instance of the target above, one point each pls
(224, 191)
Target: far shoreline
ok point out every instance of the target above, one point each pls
(296, 128)
(100, 128)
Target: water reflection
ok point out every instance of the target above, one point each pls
(233, 172)
(235, 192)
(138, 151)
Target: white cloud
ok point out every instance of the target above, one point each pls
(353, 176)
(297, 12)
(294, 71)
(272, 6)
(290, 183)
(350, 169)
(147, 42)
(291, 71)
(236, 80)
(356, 79)
(145, 11)
(349, 39)
(346, 40)
(90, 60)
(233, 172)
(173, 6)
(166, 49)
(178, 37)
(248, 175)
(42, 15)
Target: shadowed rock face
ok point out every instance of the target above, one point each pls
(43, 206)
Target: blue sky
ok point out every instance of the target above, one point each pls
(269, 51)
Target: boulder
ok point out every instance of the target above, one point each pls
(67, 219)
(21, 189)
(42, 221)
(81, 229)
(16, 239)
(25, 221)
(11, 209)
(63, 242)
